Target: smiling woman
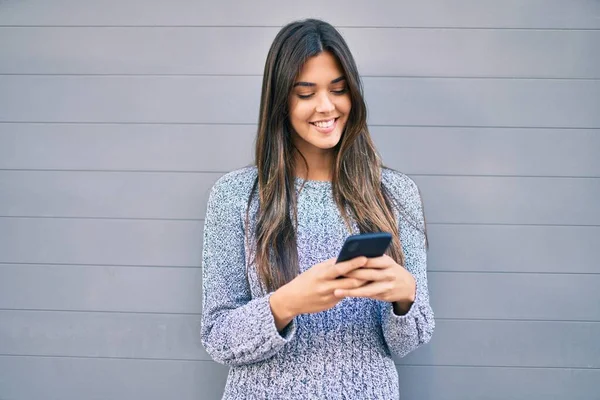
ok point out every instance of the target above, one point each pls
(290, 321)
(319, 108)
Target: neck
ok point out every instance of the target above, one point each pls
(320, 166)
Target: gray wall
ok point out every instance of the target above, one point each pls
(116, 117)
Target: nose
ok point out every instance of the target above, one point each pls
(324, 105)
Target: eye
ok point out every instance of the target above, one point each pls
(337, 92)
(340, 91)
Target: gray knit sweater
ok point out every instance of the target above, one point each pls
(342, 353)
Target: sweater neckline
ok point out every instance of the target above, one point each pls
(313, 184)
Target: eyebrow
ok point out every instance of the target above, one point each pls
(310, 84)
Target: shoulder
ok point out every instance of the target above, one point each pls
(404, 192)
(400, 185)
(237, 180)
(234, 187)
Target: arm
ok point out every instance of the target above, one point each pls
(404, 333)
(236, 329)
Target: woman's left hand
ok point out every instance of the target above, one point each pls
(388, 281)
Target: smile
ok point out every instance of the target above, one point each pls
(325, 123)
(325, 126)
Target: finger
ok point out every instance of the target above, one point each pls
(384, 261)
(330, 261)
(368, 290)
(344, 267)
(346, 283)
(368, 274)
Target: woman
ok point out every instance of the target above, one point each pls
(289, 321)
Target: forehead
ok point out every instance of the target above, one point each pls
(322, 68)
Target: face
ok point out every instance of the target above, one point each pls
(319, 105)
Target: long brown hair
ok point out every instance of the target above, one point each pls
(356, 182)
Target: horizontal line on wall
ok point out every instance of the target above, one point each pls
(254, 124)
(131, 123)
(113, 170)
(97, 265)
(496, 366)
(226, 171)
(157, 171)
(211, 361)
(502, 224)
(257, 75)
(445, 271)
(521, 320)
(106, 357)
(244, 75)
(482, 28)
(566, 321)
(429, 270)
(102, 218)
(201, 219)
(96, 311)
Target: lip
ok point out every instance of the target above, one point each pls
(326, 130)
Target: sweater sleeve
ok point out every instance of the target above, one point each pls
(235, 329)
(405, 333)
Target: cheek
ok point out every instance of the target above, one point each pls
(295, 119)
(345, 106)
(300, 112)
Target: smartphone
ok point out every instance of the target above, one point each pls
(366, 244)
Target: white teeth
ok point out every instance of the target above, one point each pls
(324, 124)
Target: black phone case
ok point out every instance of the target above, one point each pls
(367, 244)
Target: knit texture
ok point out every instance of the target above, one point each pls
(342, 353)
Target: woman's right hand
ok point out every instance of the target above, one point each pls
(312, 290)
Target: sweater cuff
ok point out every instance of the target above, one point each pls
(410, 314)
(278, 338)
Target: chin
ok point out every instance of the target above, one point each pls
(332, 144)
(328, 143)
(308, 140)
